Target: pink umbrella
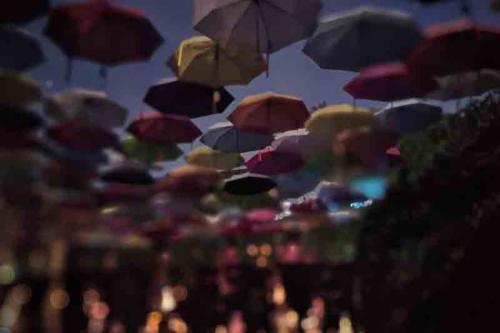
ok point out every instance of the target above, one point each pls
(256, 222)
(271, 162)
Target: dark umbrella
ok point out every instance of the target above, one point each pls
(158, 128)
(20, 50)
(75, 135)
(271, 162)
(248, 184)
(186, 99)
(16, 120)
(20, 11)
(129, 172)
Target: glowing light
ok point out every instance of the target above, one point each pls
(345, 324)
(110, 210)
(261, 262)
(180, 293)
(220, 329)
(292, 319)
(168, 302)
(279, 294)
(177, 325)
(21, 294)
(99, 311)
(266, 250)
(361, 204)
(154, 318)
(7, 274)
(252, 250)
(310, 323)
(59, 299)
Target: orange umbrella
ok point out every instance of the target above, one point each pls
(189, 179)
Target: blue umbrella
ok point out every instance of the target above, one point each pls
(20, 50)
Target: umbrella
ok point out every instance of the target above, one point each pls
(158, 128)
(296, 183)
(103, 32)
(149, 152)
(20, 50)
(409, 116)
(207, 157)
(86, 106)
(119, 192)
(68, 174)
(336, 195)
(269, 113)
(227, 138)
(189, 179)
(254, 23)
(18, 90)
(21, 11)
(18, 120)
(466, 84)
(128, 172)
(248, 184)
(25, 141)
(186, 99)
(331, 120)
(75, 135)
(261, 221)
(302, 142)
(457, 46)
(361, 38)
(200, 60)
(390, 82)
(270, 162)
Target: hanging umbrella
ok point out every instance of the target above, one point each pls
(103, 32)
(270, 162)
(361, 38)
(261, 221)
(128, 172)
(254, 23)
(74, 135)
(302, 142)
(297, 183)
(149, 152)
(86, 106)
(409, 116)
(186, 99)
(457, 46)
(189, 180)
(227, 138)
(329, 121)
(466, 84)
(200, 60)
(63, 173)
(20, 50)
(18, 90)
(207, 157)
(21, 11)
(269, 113)
(17, 120)
(248, 184)
(390, 82)
(157, 128)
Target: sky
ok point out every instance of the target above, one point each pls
(291, 71)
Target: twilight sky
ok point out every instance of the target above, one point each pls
(291, 71)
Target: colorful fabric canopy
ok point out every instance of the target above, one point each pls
(149, 152)
(20, 50)
(207, 157)
(18, 90)
(189, 180)
(270, 162)
(74, 135)
(128, 172)
(248, 184)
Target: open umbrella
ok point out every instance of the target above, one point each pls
(207, 157)
(363, 37)
(186, 98)
(189, 180)
(20, 50)
(21, 11)
(390, 82)
(18, 90)
(75, 135)
(158, 128)
(225, 137)
(128, 172)
(248, 184)
(302, 142)
(270, 162)
(149, 152)
(103, 32)
(296, 183)
(201, 60)
(18, 120)
(269, 113)
(409, 116)
(457, 46)
(86, 106)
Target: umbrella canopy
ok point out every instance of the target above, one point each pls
(336, 195)
(157, 128)
(248, 184)
(227, 138)
(361, 38)
(186, 98)
(20, 50)
(253, 23)
(300, 141)
(466, 84)
(189, 179)
(18, 90)
(457, 46)
(409, 116)
(201, 60)
(296, 183)
(269, 113)
(331, 120)
(270, 162)
(207, 157)
(149, 152)
(86, 106)
(18, 120)
(75, 135)
(21, 11)
(103, 32)
(26, 141)
(128, 172)
(390, 82)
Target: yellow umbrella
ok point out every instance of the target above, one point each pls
(18, 90)
(207, 157)
(201, 60)
(333, 119)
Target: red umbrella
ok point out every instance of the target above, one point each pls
(390, 82)
(269, 113)
(271, 162)
(457, 46)
(190, 180)
(75, 135)
(157, 128)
